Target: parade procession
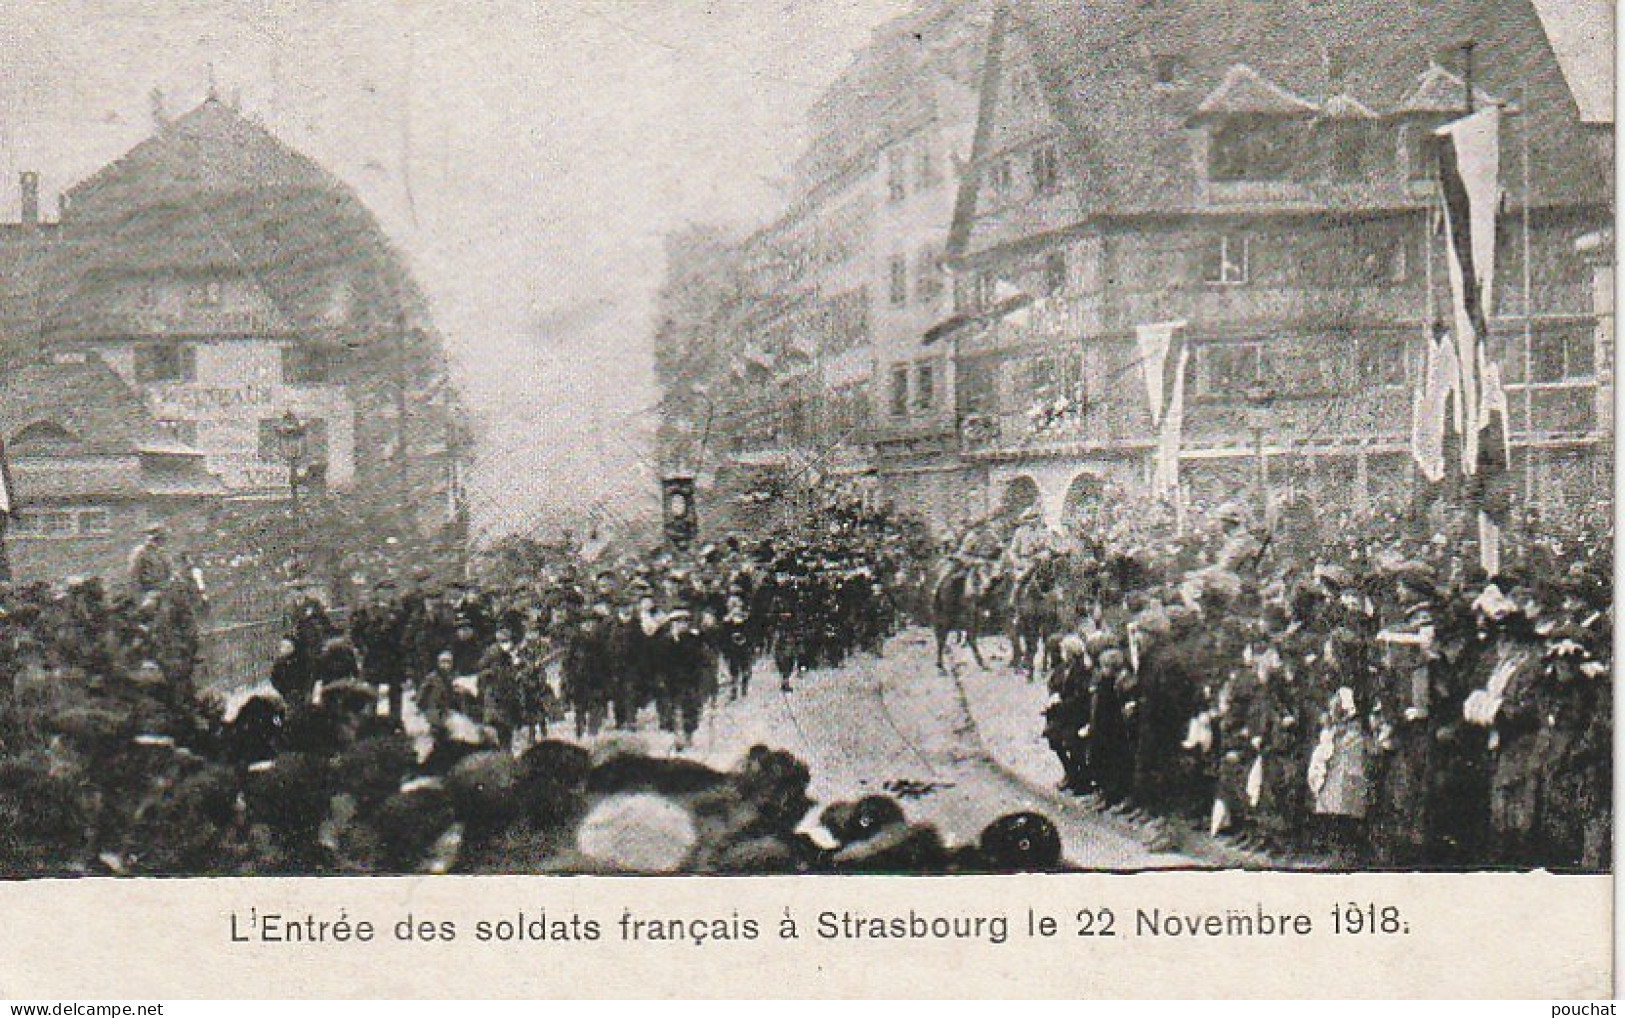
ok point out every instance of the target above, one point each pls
(1121, 435)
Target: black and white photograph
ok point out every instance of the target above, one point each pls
(806, 437)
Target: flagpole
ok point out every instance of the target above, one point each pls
(1528, 310)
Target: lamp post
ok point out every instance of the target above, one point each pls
(1260, 405)
(290, 433)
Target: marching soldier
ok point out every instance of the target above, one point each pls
(378, 630)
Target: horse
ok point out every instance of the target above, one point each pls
(957, 604)
(1036, 598)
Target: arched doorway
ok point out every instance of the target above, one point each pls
(1020, 494)
(1083, 497)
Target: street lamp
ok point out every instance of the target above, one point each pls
(1260, 416)
(290, 434)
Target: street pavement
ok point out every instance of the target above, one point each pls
(957, 750)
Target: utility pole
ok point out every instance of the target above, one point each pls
(1467, 70)
(1259, 400)
(403, 467)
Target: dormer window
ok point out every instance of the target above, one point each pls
(1256, 129)
(1420, 148)
(1348, 126)
(1254, 148)
(1437, 97)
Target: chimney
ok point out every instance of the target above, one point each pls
(29, 182)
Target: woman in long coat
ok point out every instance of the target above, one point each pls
(1339, 780)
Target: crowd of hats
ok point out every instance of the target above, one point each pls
(1375, 699)
(123, 779)
(111, 765)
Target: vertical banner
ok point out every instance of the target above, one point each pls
(1164, 354)
(1437, 408)
(1469, 183)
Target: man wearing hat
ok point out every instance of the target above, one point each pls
(378, 632)
(150, 565)
(1510, 703)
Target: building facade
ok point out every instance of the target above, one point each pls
(1258, 173)
(775, 352)
(257, 313)
(91, 469)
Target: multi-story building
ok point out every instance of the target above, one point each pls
(91, 468)
(791, 333)
(1264, 173)
(256, 311)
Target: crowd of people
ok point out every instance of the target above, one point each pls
(1372, 700)
(1376, 701)
(415, 732)
(664, 633)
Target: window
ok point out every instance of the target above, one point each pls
(184, 432)
(1224, 259)
(1227, 370)
(306, 365)
(927, 278)
(987, 290)
(897, 288)
(1046, 169)
(896, 175)
(1421, 150)
(899, 391)
(95, 521)
(1056, 376)
(1379, 255)
(1351, 140)
(1381, 358)
(974, 292)
(46, 523)
(1054, 273)
(1003, 176)
(63, 523)
(1254, 149)
(165, 362)
(925, 394)
(1560, 355)
(1167, 68)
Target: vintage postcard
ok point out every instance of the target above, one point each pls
(1067, 497)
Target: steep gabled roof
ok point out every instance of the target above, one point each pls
(1343, 106)
(1131, 146)
(1245, 92)
(213, 192)
(212, 149)
(1439, 91)
(86, 401)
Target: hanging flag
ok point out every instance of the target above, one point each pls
(1470, 184)
(1163, 357)
(1437, 412)
(8, 499)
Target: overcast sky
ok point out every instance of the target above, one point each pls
(548, 145)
